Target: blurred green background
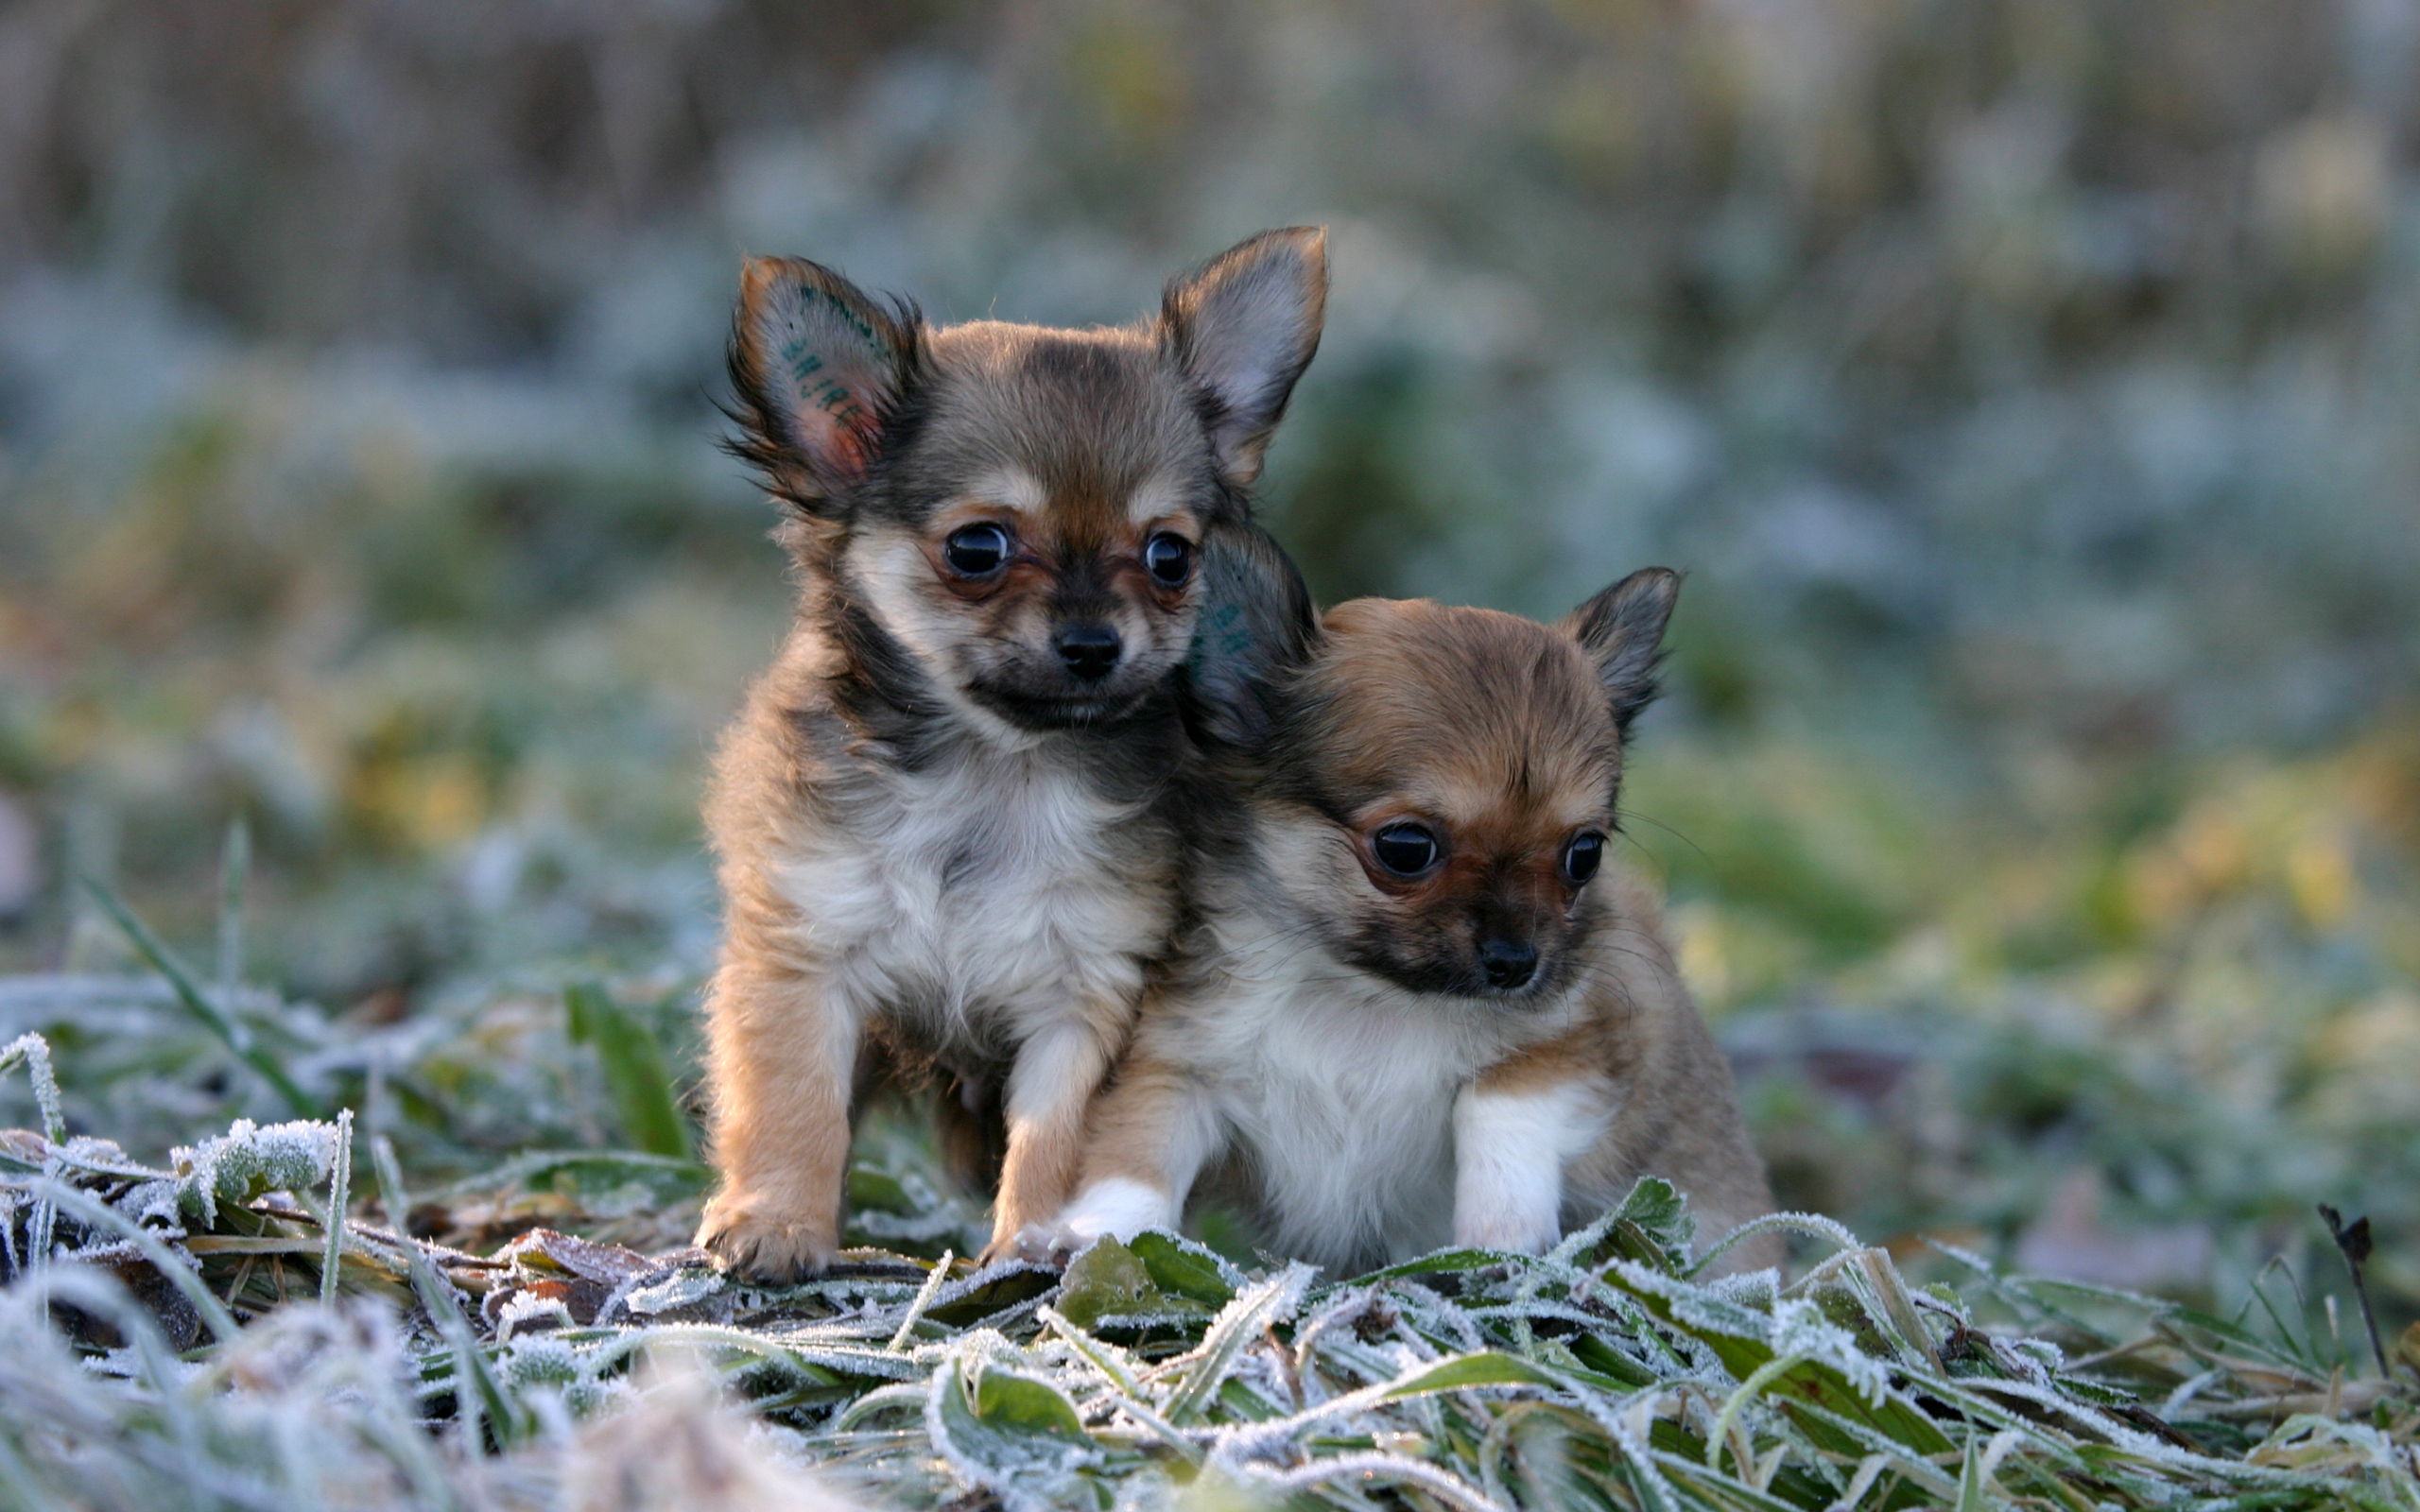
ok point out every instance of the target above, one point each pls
(2030, 387)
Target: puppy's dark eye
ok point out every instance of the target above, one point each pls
(1406, 850)
(976, 550)
(1169, 558)
(1581, 857)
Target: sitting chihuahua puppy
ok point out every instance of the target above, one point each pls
(1421, 1007)
(950, 818)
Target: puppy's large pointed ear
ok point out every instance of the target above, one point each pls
(1623, 630)
(1243, 326)
(818, 369)
(1256, 626)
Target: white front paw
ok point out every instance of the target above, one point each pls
(1521, 1233)
(1051, 1243)
(1509, 1150)
(1118, 1207)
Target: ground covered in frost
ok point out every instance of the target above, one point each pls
(245, 1326)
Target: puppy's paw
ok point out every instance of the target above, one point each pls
(1118, 1207)
(1048, 1244)
(1512, 1234)
(765, 1242)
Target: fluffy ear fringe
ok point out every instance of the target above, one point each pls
(876, 350)
(1243, 326)
(1622, 630)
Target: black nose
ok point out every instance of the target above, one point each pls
(1507, 963)
(1089, 650)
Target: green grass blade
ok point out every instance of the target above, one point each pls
(1970, 1483)
(906, 1332)
(339, 1191)
(635, 1075)
(230, 1033)
(1239, 1322)
(1488, 1368)
(35, 1052)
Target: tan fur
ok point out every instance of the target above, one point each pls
(1321, 1062)
(943, 848)
(780, 1062)
(1127, 1132)
(781, 1102)
(1680, 1114)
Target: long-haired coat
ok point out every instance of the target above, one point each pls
(951, 819)
(1422, 1007)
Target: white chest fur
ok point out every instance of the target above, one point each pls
(980, 899)
(1342, 1092)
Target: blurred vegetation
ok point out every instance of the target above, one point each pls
(2028, 385)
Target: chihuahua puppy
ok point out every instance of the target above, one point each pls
(951, 819)
(1422, 1007)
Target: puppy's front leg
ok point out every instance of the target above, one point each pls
(1051, 1086)
(1513, 1132)
(1148, 1138)
(783, 1048)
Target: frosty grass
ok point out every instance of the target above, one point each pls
(231, 1331)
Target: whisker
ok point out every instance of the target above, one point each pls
(1621, 828)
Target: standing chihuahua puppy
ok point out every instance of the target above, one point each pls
(949, 816)
(1421, 1010)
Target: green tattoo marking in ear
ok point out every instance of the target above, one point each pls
(810, 358)
(827, 393)
(803, 363)
(852, 320)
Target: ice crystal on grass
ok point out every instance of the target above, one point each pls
(33, 1052)
(248, 1161)
(1801, 1330)
(673, 1292)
